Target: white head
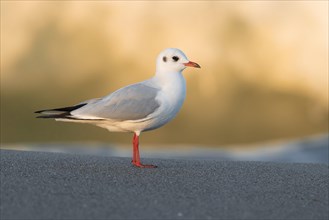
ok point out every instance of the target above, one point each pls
(173, 60)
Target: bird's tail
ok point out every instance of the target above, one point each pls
(58, 112)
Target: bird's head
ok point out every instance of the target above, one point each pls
(173, 60)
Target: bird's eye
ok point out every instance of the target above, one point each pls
(175, 58)
(164, 59)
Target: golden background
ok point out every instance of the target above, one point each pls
(264, 72)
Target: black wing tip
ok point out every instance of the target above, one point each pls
(45, 116)
(63, 115)
(64, 109)
(70, 108)
(40, 111)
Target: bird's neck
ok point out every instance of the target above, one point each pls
(168, 79)
(172, 90)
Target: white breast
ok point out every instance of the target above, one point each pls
(171, 97)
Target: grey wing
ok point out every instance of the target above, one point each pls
(133, 102)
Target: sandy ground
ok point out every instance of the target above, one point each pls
(40, 185)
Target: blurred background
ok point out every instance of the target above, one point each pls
(264, 73)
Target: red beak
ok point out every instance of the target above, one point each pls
(192, 64)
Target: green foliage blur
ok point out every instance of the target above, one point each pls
(264, 65)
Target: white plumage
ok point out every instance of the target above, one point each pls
(138, 107)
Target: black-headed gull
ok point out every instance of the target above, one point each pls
(138, 107)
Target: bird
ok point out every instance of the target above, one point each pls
(135, 108)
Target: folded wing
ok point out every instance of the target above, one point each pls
(133, 102)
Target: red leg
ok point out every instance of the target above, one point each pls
(136, 158)
(134, 148)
